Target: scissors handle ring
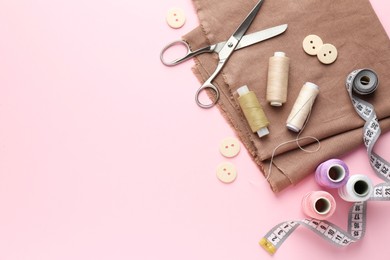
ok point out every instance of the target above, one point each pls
(178, 60)
(187, 56)
(207, 86)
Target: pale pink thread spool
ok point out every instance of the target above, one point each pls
(318, 204)
(332, 174)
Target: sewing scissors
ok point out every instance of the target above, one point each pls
(225, 50)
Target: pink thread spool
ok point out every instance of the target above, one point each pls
(318, 204)
(332, 173)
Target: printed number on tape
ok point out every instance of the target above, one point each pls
(357, 214)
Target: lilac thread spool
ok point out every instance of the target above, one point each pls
(318, 204)
(332, 173)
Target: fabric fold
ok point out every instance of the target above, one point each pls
(351, 26)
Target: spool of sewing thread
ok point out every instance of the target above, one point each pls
(302, 106)
(365, 82)
(358, 188)
(277, 81)
(332, 174)
(318, 204)
(253, 111)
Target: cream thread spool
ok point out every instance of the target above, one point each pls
(302, 106)
(358, 188)
(277, 81)
(253, 111)
(318, 204)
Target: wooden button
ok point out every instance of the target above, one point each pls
(226, 172)
(312, 44)
(176, 18)
(229, 147)
(327, 54)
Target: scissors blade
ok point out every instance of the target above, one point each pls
(256, 37)
(241, 30)
(260, 36)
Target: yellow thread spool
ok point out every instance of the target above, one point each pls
(302, 106)
(253, 112)
(277, 81)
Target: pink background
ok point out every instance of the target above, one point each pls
(105, 155)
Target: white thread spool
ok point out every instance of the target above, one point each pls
(277, 80)
(358, 188)
(302, 106)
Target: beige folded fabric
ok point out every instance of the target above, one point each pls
(351, 25)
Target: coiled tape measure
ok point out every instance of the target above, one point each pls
(363, 81)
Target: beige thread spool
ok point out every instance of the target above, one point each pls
(277, 81)
(302, 106)
(253, 111)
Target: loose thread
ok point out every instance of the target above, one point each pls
(296, 140)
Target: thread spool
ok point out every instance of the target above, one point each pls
(318, 204)
(358, 188)
(253, 111)
(365, 82)
(302, 106)
(277, 80)
(332, 174)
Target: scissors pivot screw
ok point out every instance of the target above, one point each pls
(224, 50)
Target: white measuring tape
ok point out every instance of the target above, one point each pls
(362, 81)
(365, 81)
(328, 231)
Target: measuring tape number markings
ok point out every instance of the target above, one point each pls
(363, 81)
